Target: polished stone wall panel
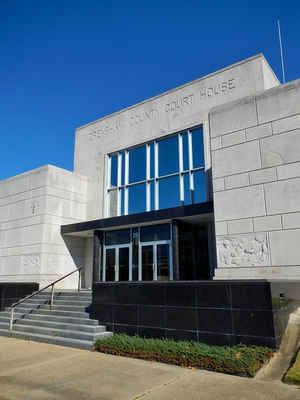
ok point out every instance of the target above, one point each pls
(10, 292)
(216, 312)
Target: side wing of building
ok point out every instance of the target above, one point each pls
(255, 147)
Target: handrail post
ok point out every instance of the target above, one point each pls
(41, 290)
(11, 318)
(52, 298)
(79, 279)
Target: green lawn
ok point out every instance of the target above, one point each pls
(293, 375)
(237, 360)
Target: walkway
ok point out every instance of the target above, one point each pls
(38, 371)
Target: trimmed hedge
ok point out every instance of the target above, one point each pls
(293, 374)
(237, 360)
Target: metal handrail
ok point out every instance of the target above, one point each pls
(41, 290)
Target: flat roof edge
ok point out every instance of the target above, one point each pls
(145, 217)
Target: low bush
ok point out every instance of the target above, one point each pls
(238, 360)
(293, 374)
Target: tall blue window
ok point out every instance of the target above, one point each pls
(160, 174)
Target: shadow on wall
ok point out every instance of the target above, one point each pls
(209, 184)
(76, 247)
(212, 248)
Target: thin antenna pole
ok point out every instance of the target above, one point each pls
(281, 53)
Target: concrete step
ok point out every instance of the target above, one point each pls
(58, 307)
(67, 324)
(74, 298)
(43, 299)
(63, 319)
(23, 309)
(92, 329)
(71, 334)
(4, 325)
(75, 303)
(4, 314)
(61, 313)
(60, 341)
(36, 300)
(5, 320)
(58, 301)
(66, 294)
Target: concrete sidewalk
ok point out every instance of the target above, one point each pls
(38, 371)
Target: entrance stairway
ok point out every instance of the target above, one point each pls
(67, 324)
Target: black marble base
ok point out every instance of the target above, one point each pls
(213, 312)
(11, 292)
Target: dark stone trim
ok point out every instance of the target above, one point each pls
(98, 240)
(11, 292)
(145, 217)
(213, 312)
(175, 250)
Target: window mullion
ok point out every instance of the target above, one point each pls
(156, 175)
(148, 184)
(119, 183)
(181, 181)
(126, 182)
(190, 143)
(108, 186)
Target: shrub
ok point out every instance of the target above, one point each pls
(238, 360)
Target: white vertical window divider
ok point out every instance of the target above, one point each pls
(190, 145)
(148, 183)
(108, 185)
(126, 185)
(156, 175)
(181, 177)
(126, 182)
(119, 183)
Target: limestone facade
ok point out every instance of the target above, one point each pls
(256, 181)
(33, 206)
(252, 160)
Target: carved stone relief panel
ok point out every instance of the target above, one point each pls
(31, 263)
(35, 207)
(243, 251)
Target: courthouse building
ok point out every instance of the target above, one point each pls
(201, 182)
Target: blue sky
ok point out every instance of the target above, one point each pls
(66, 63)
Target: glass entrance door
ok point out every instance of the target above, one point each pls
(123, 264)
(163, 265)
(117, 263)
(109, 269)
(155, 261)
(147, 270)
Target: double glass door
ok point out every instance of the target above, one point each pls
(117, 263)
(155, 261)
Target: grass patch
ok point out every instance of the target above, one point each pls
(237, 360)
(293, 374)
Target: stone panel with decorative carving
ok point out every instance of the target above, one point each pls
(31, 263)
(243, 251)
